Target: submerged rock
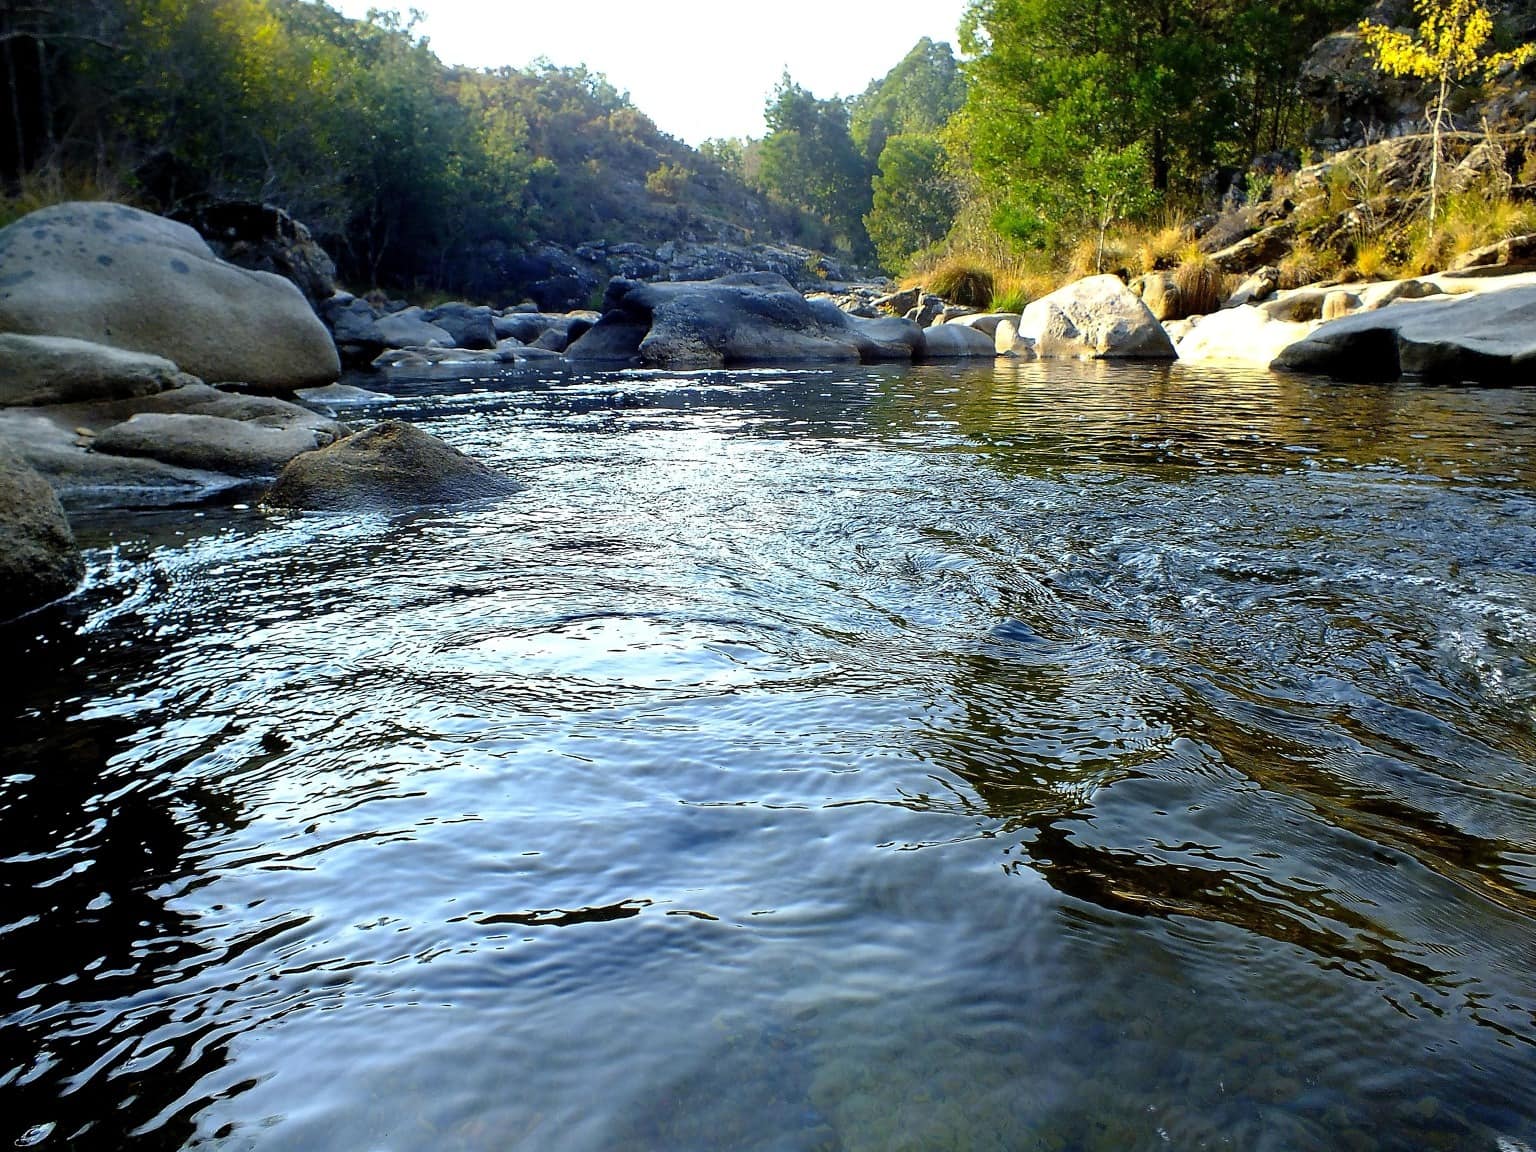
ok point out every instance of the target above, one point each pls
(113, 275)
(38, 558)
(391, 465)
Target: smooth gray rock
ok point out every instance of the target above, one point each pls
(1097, 318)
(61, 370)
(1260, 285)
(1488, 338)
(81, 478)
(113, 275)
(410, 329)
(208, 443)
(985, 322)
(877, 338)
(613, 339)
(389, 466)
(468, 326)
(38, 558)
(952, 341)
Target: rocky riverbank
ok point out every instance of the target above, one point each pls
(137, 367)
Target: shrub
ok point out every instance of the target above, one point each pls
(962, 282)
(1200, 284)
(1161, 251)
(1370, 259)
(1307, 265)
(1008, 295)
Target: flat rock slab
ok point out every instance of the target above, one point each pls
(208, 443)
(392, 465)
(1487, 338)
(61, 370)
(110, 274)
(38, 558)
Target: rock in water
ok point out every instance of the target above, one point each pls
(114, 275)
(208, 443)
(752, 318)
(1098, 318)
(58, 370)
(391, 465)
(952, 341)
(38, 558)
(1488, 338)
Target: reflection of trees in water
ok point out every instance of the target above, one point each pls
(1177, 420)
(93, 854)
(1043, 753)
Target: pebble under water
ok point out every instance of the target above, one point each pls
(1021, 757)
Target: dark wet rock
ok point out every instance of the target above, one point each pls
(391, 465)
(38, 558)
(411, 329)
(877, 339)
(60, 370)
(1488, 338)
(613, 339)
(110, 274)
(744, 319)
(266, 239)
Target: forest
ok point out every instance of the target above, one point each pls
(1058, 118)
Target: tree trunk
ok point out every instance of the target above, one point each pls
(1434, 162)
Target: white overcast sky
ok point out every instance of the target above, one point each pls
(698, 68)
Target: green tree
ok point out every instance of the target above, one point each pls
(918, 96)
(915, 199)
(1449, 47)
(1115, 188)
(809, 161)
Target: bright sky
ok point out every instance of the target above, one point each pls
(699, 68)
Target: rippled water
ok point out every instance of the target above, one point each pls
(1030, 757)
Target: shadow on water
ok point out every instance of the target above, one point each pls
(95, 1047)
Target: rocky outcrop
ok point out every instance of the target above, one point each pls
(389, 466)
(110, 274)
(467, 325)
(59, 370)
(1516, 254)
(1097, 318)
(1485, 338)
(38, 558)
(266, 239)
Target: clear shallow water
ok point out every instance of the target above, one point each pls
(1032, 757)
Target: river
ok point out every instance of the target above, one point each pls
(1035, 756)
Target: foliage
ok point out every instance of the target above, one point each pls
(917, 97)
(1448, 48)
(1115, 188)
(808, 161)
(1201, 286)
(914, 201)
(1194, 83)
(667, 181)
(961, 282)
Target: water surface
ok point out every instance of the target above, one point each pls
(1019, 757)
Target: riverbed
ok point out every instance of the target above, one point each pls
(1009, 757)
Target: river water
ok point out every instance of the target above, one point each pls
(1016, 757)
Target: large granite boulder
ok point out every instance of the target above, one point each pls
(38, 558)
(615, 339)
(60, 370)
(1248, 335)
(391, 465)
(114, 275)
(410, 328)
(755, 317)
(877, 338)
(1487, 338)
(1097, 318)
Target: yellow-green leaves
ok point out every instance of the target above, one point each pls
(1448, 46)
